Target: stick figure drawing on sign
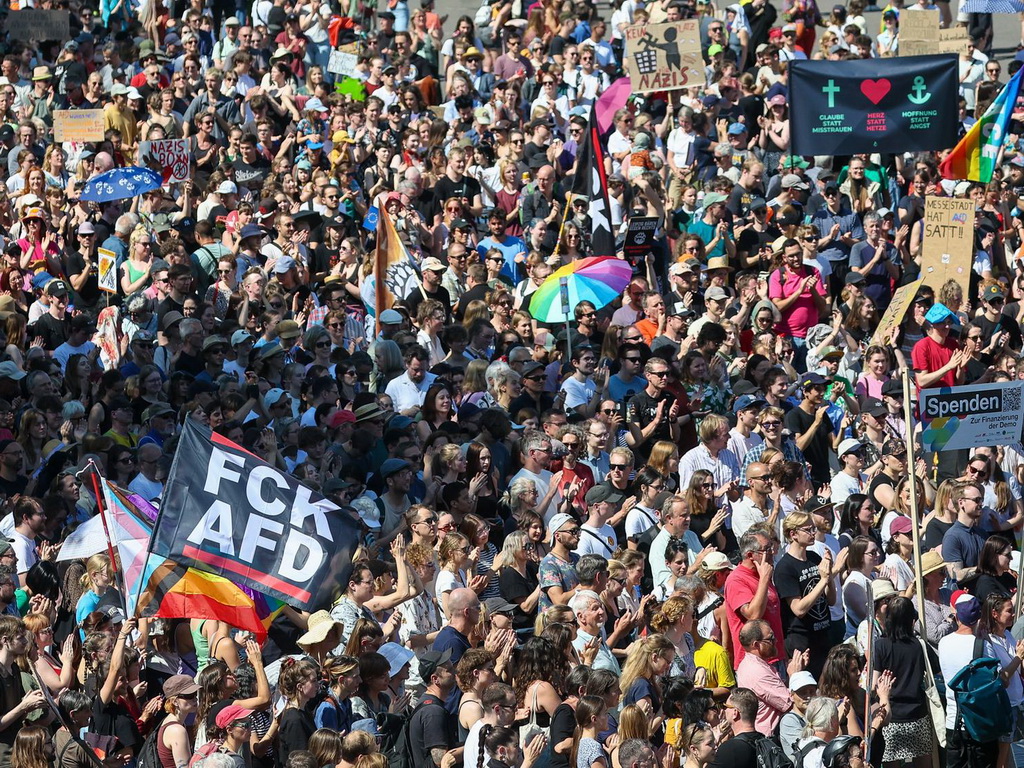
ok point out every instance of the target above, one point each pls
(647, 56)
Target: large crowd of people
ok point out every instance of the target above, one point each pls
(676, 531)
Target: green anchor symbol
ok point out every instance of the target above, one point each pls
(920, 91)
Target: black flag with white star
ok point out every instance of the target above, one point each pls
(591, 180)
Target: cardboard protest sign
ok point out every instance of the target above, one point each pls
(919, 25)
(31, 24)
(171, 156)
(639, 235)
(954, 418)
(901, 104)
(78, 125)
(343, 60)
(107, 270)
(228, 512)
(893, 315)
(664, 57)
(948, 243)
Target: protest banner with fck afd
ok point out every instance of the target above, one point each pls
(228, 512)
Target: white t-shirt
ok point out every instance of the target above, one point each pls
(25, 549)
(955, 653)
(745, 514)
(843, 486)
(597, 541)
(639, 519)
(578, 393)
(447, 581)
(1004, 648)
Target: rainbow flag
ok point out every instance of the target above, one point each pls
(156, 587)
(975, 156)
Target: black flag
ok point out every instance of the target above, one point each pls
(591, 181)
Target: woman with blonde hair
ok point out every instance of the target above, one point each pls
(474, 382)
(455, 556)
(518, 580)
(136, 268)
(649, 659)
(97, 579)
(633, 724)
(664, 459)
(476, 310)
(55, 674)
(674, 620)
(698, 745)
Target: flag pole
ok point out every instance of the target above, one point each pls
(915, 528)
(100, 503)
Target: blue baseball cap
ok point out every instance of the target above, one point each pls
(40, 279)
(737, 128)
(748, 401)
(939, 313)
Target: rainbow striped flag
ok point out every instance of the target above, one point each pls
(156, 587)
(975, 156)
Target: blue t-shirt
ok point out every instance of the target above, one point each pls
(961, 544)
(512, 247)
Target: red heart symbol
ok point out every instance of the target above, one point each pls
(875, 90)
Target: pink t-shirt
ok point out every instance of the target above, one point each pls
(802, 314)
(869, 386)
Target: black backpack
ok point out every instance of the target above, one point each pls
(395, 740)
(767, 752)
(802, 753)
(149, 757)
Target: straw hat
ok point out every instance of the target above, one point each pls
(931, 561)
(319, 626)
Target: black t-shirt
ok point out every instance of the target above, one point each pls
(513, 585)
(934, 532)
(799, 422)
(54, 332)
(796, 578)
(1004, 323)
(168, 305)
(879, 480)
(445, 188)
(750, 242)
(190, 363)
(737, 752)
(430, 727)
(641, 410)
(251, 176)
(90, 292)
(414, 299)
(905, 658)
(13, 487)
(112, 720)
(987, 584)
(563, 726)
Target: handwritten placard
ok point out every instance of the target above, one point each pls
(170, 156)
(664, 57)
(107, 278)
(78, 125)
(948, 243)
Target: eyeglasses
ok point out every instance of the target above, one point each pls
(571, 531)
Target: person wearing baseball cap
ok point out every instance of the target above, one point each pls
(742, 437)
(596, 536)
(994, 321)
(850, 478)
(937, 358)
(811, 427)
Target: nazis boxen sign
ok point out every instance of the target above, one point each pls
(228, 512)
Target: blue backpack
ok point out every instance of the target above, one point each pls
(983, 706)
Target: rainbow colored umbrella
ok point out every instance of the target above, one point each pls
(597, 279)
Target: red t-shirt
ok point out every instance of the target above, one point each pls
(740, 588)
(928, 356)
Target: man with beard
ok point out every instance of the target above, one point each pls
(652, 415)
(12, 461)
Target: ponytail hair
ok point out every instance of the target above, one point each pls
(587, 709)
(492, 737)
(485, 732)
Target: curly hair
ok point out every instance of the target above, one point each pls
(537, 660)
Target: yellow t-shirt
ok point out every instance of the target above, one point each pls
(715, 661)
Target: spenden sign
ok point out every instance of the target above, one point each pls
(955, 418)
